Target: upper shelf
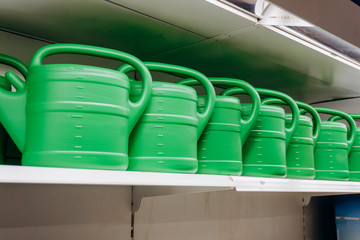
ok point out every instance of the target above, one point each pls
(196, 34)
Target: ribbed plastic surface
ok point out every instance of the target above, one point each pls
(264, 152)
(300, 152)
(331, 152)
(219, 147)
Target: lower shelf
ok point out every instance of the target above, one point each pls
(149, 184)
(44, 175)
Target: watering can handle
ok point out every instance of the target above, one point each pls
(246, 124)
(178, 70)
(306, 108)
(18, 65)
(352, 115)
(136, 108)
(271, 93)
(15, 63)
(350, 120)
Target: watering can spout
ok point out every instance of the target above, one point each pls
(12, 110)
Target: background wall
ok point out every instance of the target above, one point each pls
(221, 215)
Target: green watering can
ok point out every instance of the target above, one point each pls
(300, 152)
(165, 138)
(5, 84)
(220, 145)
(70, 115)
(264, 152)
(333, 147)
(354, 156)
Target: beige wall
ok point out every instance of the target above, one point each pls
(221, 215)
(59, 212)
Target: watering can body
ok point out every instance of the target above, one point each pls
(264, 151)
(354, 156)
(300, 153)
(331, 154)
(4, 84)
(165, 138)
(76, 116)
(220, 145)
(333, 147)
(63, 112)
(7, 146)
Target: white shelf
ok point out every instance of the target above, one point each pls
(254, 184)
(44, 175)
(148, 184)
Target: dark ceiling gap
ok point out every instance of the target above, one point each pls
(213, 38)
(335, 99)
(157, 19)
(27, 36)
(177, 49)
(357, 2)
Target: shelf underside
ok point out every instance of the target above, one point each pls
(186, 33)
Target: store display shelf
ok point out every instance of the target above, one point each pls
(45, 175)
(255, 184)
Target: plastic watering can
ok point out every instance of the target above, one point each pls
(165, 138)
(333, 147)
(300, 152)
(5, 84)
(264, 152)
(70, 115)
(220, 145)
(354, 156)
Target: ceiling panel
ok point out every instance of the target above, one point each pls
(195, 34)
(198, 16)
(268, 59)
(93, 22)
